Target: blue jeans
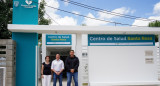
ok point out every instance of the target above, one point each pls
(55, 77)
(69, 78)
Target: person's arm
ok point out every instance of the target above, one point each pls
(54, 70)
(52, 67)
(42, 70)
(77, 64)
(67, 65)
(62, 67)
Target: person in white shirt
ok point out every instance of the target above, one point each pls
(57, 67)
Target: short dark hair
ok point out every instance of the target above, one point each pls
(71, 50)
(58, 54)
(46, 57)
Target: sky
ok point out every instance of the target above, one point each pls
(149, 9)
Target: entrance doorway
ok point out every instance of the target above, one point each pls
(64, 53)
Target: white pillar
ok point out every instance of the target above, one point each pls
(159, 57)
(43, 47)
(78, 53)
(159, 40)
(74, 42)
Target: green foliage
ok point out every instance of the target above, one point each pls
(155, 24)
(83, 24)
(5, 18)
(41, 13)
(42, 20)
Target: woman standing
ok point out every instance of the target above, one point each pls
(46, 72)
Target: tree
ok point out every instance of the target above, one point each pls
(42, 20)
(83, 24)
(41, 11)
(155, 24)
(5, 18)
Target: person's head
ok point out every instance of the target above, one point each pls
(47, 58)
(72, 53)
(57, 56)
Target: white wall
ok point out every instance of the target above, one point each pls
(121, 64)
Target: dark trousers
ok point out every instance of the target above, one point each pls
(69, 78)
(55, 77)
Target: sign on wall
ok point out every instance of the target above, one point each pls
(120, 40)
(58, 39)
(25, 12)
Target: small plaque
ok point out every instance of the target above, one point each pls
(149, 53)
(84, 84)
(149, 60)
(84, 54)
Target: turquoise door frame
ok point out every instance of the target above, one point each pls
(25, 12)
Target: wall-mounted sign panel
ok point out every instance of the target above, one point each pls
(58, 39)
(120, 40)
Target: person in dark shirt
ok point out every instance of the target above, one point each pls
(46, 72)
(71, 65)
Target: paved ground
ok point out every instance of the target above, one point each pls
(64, 83)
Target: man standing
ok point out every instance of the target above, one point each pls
(72, 64)
(57, 67)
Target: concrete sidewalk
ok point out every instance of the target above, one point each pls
(64, 83)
